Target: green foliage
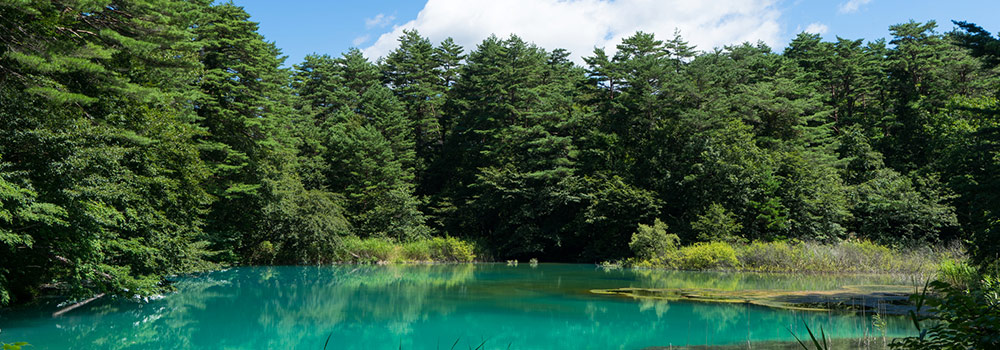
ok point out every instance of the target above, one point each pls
(365, 251)
(378, 250)
(14, 346)
(958, 274)
(797, 256)
(420, 75)
(705, 256)
(717, 225)
(959, 319)
(651, 242)
(510, 156)
(451, 249)
(380, 200)
(845, 256)
(166, 137)
(361, 145)
(891, 207)
(99, 147)
(605, 225)
(825, 345)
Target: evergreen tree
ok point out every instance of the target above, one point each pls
(367, 149)
(251, 150)
(412, 72)
(102, 183)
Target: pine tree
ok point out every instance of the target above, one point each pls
(102, 177)
(252, 151)
(412, 72)
(367, 149)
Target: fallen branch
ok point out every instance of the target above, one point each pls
(71, 307)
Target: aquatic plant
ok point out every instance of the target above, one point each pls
(14, 346)
(819, 346)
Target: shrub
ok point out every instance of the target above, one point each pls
(376, 250)
(650, 242)
(771, 256)
(365, 251)
(958, 274)
(263, 253)
(848, 256)
(451, 249)
(703, 256)
(961, 319)
(417, 251)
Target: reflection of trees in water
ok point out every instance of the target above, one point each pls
(715, 319)
(659, 306)
(423, 306)
(393, 296)
(124, 324)
(294, 307)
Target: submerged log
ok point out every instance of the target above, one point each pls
(71, 307)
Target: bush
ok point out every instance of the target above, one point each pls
(958, 274)
(704, 256)
(650, 242)
(961, 319)
(451, 249)
(376, 250)
(771, 256)
(795, 256)
(857, 256)
(365, 251)
(263, 253)
(417, 251)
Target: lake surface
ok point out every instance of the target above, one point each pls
(548, 306)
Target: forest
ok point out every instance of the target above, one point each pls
(143, 139)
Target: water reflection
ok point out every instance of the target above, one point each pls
(428, 307)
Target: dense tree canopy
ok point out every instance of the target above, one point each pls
(140, 139)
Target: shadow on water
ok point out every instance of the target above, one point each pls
(430, 306)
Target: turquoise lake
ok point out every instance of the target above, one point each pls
(548, 306)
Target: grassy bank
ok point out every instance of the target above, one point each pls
(850, 256)
(376, 250)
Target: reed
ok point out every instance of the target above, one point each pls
(849, 256)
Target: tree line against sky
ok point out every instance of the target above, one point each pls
(140, 139)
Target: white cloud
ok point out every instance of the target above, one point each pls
(380, 20)
(817, 28)
(852, 6)
(581, 25)
(360, 40)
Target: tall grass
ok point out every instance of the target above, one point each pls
(958, 273)
(377, 250)
(849, 256)
(853, 256)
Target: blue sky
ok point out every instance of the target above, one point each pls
(300, 27)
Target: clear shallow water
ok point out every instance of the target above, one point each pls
(432, 307)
